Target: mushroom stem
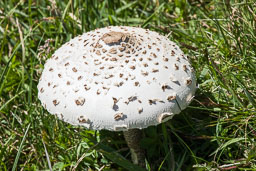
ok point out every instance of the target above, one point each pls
(133, 137)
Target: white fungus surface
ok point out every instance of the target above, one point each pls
(117, 78)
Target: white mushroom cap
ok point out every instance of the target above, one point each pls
(117, 78)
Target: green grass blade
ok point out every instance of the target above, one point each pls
(152, 16)
(117, 158)
(19, 150)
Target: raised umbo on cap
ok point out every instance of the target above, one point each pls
(117, 78)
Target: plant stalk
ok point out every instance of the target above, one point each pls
(133, 138)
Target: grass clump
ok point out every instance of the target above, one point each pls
(217, 131)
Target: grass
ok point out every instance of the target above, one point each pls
(216, 132)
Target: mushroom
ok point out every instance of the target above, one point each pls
(118, 78)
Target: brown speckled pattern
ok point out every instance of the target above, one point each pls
(117, 78)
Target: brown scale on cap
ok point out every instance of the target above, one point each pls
(153, 101)
(133, 67)
(76, 90)
(98, 92)
(66, 64)
(98, 63)
(95, 74)
(109, 76)
(131, 99)
(184, 67)
(176, 66)
(55, 102)
(133, 51)
(158, 100)
(68, 83)
(150, 101)
(51, 69)
(145, 65)
(127, 51)
(74, 69)
(118, 116)
(115, 100)
(98, 45)
(81, 119)
(188, 81)
(98, 53)
(136, 83)
(155, 70)
(115, 37)
(121, 49)
(86, 44)
(113, 59)
(171, 97)
(41, 90)
(113, 51)
(104, 50)
(61, 116)
(154, 55)
(119, 84)
(172, 52)
(144, 73)
(115, 107)
(80, 77)
(86, 87)
(164, 87)
(140, 110)
(80, 101)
